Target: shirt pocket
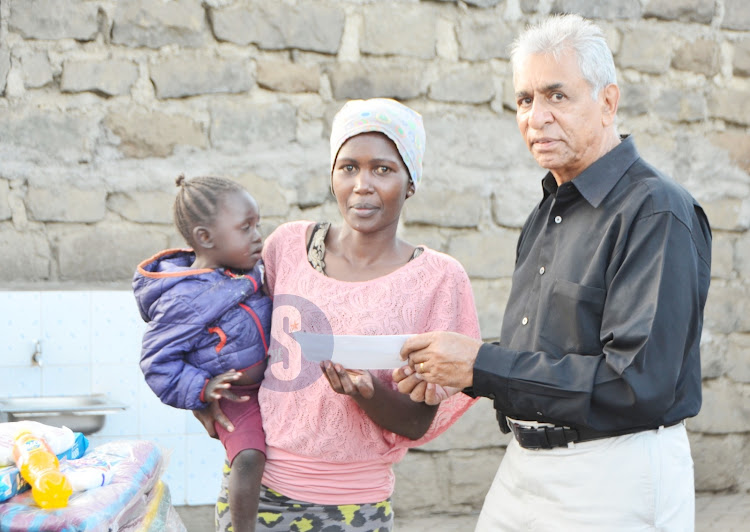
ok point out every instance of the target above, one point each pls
(573, 319)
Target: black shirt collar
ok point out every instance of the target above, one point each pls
(596, 181)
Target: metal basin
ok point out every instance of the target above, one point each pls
(80, 413)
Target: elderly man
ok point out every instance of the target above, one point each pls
(598, 363)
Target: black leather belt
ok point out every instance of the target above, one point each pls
(549, 437)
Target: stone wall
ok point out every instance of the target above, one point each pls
(105, 102)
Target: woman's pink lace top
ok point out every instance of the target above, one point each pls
(321, 447)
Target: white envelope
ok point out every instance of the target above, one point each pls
(353, 351)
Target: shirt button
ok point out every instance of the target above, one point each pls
(558, 219)
(541, 270)
(525, 320)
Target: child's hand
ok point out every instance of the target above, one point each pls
(220, 387)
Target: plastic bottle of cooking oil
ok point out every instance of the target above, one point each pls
(40, 468)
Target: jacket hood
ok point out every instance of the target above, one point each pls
(158, 274)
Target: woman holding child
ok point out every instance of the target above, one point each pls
(333, 434)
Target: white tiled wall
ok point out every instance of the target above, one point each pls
(90, 342)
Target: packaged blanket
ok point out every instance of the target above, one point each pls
(135, 469)
(64, 443)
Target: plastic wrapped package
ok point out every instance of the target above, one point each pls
(59, 439)
(159, 515)
(122, 504)
(63, 442)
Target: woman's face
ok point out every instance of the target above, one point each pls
(370, 182)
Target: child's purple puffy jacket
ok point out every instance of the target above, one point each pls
(201, 322)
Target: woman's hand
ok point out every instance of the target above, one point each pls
(213, 414)
(350, 382)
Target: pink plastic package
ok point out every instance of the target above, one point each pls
(135, 469)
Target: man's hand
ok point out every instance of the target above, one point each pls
(213, 413)
(220, 387)
(411, 383)
(440, 357)
(349, 382)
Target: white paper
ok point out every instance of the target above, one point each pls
(353, 351)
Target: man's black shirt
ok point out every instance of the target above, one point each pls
(603, 324)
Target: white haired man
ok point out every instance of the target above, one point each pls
(598, 363)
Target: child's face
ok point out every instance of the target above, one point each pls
(237, 240)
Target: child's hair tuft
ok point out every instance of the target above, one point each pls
(198, 201)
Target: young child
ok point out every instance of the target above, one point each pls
(209, 324)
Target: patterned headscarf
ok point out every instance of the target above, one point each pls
(399, 123)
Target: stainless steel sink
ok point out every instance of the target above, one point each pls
(80, 413)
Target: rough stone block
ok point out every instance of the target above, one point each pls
(529, 6)
(678, 105)
(288, 77)
(724, 214)
(740, 63)
(479, 139)
(103, 252)
(487, 255)
(270, 196)
(466, 84)
(191, 74)
(30, 259)
(153, 24)
(153, 134)
(112, 77)
(420, 483)
(742, 253)
(738, 363)
(645, 48)
(736, 15)
(411, 31)
(737, 144)
(483, 3)
(421, 235)
(5, 211)
(483, 36)
(149, 207)
(490, 297)
(714, 349)
(726, 408)
(731, 105)
(278, 26)
(366, 79)
(471, 475)
(722, 255)
(4, 68)
(607, 9)
(66, 204)
(701, 11)
(242, 126)
(463, 211)
(727, 308)
(718, 460)
(635, 99)
(35, 68)
(701, 56)
(67, 136)
(312, 191)
(54, 19)
(475, 429)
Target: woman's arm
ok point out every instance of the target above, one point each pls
(388, 408)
